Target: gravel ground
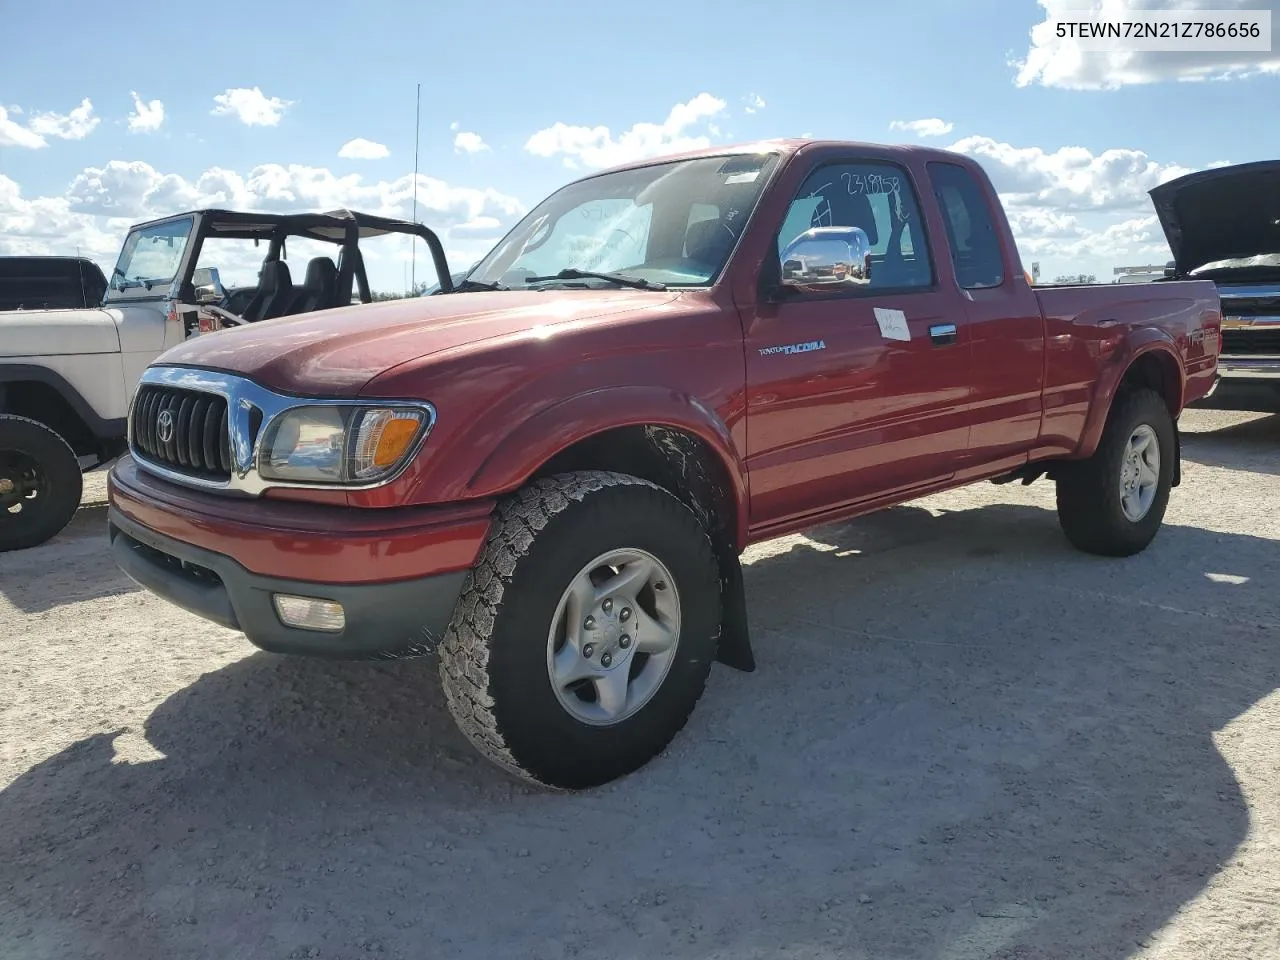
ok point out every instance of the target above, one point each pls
(963, 740)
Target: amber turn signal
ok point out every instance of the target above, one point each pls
(394, 443)
(383, 438)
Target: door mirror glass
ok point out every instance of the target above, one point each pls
(826, 259)
(208, 284)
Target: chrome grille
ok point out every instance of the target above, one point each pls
(184, 430)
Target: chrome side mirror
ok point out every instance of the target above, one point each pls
(208, 284)
(827, 259)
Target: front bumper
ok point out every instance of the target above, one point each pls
(396, 572)
(1250, 368)
(382, 620)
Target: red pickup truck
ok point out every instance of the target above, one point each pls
(546, 473)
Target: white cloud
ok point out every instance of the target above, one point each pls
(466, 142)
(251, 106)
(752, 102)
(1075, 209)
(76, 125)
(1052, 62)
(929, 127)
(1070, 178)
(362, 149)
(145, 116)
(135, 190)
(48, 225)
(14, 134)
(597, 147)
(479, 227)
(1071, 246)
(102, 202)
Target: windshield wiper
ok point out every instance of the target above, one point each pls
(573, 273)
(465, 285)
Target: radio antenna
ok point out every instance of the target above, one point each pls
(417, 124)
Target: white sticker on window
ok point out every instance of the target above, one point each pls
(893, 324)
(747, 176)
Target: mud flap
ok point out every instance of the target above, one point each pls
(734, 648)
(1177, 454)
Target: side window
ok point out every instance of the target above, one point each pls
(878, 198)
(975, 248)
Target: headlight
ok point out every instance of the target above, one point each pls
(339, 444)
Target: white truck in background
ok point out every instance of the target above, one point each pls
(68, 374)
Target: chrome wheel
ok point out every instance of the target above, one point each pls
(614, 636)
(1139, 473)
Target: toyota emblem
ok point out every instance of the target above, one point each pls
(164, 426)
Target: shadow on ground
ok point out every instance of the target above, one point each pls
(1253, 445)
(940, 756)
(41, 578)
(1252, 397)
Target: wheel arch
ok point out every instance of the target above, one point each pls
(45, 396)
(670, 439)
(657, 435)
(1151, 362)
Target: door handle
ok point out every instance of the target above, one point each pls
(942, 333)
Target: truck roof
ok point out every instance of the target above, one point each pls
(787, 146)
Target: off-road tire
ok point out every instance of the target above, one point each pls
(45, 517)
(1089, 508)
(493, 666)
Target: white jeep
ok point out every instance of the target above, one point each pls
(67, 376)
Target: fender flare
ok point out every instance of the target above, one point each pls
(102, 429)
(1144, 342)
(523, 450)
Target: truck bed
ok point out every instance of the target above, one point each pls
(1083, 322)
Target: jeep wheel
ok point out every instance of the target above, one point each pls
(1113, 503)
(40, 483)
(585, 632)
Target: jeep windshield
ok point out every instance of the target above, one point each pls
(671, 223)
(151, 257)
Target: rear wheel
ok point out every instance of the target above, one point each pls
(40, 483)
(1113, 503)
(584, 635)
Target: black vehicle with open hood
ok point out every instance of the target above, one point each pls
(1223, 225)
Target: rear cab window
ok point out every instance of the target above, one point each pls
(49, 283)
(971, 231)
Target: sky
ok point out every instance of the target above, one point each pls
(107, 119)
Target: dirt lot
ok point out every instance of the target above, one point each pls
(964, 740)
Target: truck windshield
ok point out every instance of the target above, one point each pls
(672, 223)
(151, 255)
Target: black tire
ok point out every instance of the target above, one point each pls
(52, 492)
(493, 659)
(1089, 502)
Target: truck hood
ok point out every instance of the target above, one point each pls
(49, 333)
(336, 352)
(1221, 214)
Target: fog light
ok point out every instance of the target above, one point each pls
(308, 613)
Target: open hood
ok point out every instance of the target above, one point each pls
(1221, 214)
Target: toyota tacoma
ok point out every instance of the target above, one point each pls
(546, 473)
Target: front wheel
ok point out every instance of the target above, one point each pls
(40, 483)
(585, 632)
(1113, 503)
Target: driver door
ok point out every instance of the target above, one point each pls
(839, 413)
